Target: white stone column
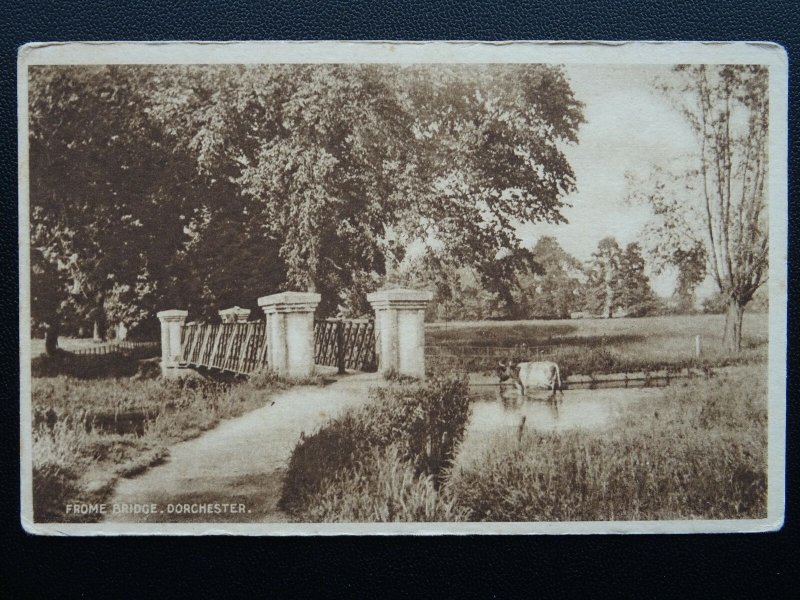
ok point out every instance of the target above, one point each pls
(400, 330)
(290, 332)
(234, 315)
(171, 323)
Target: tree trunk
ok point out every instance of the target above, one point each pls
(99, 328)
(51, 338)
(734, 315)
(608, 308)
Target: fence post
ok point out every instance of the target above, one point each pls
(340, 347)
(171, 324)
(234, 315)
(697, 346)
(400, 330)
(290, 332)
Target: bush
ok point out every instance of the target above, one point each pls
(422, 423)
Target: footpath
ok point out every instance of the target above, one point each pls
(234, 473)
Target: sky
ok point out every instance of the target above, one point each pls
(629, 126)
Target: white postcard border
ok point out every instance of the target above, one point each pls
(571, 52)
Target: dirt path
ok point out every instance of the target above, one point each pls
(241, 462)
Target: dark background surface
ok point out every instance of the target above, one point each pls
(718, 565)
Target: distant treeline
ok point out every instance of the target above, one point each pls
(612, 284)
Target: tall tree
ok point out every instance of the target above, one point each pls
(174, 185)
(490, 140)
(601, 291)
(720, 200)
(554, 292)
(633, 293)
(691, 265)
(106, 190)
(350, 163)
(47, 298)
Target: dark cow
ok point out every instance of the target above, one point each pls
(544, 375)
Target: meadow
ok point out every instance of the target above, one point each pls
(88, 432)
(584, 346)
(700, 451)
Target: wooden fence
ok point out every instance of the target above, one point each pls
(234, 347)
(345, 344)
(125, 348)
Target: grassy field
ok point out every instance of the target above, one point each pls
(89, 432)
(594, 345)
(699, 452)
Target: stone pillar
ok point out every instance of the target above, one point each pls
(400, 330)
(290, 332)
(171, 323)
(234, 315)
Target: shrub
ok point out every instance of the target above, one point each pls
(423, 422)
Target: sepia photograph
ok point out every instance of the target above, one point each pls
(331, 288)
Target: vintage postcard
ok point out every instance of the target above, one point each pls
(327, 288)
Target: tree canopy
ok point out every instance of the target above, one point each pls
(617, 281)
(197, 185)
(554, 290)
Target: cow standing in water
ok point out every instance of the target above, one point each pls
(544, 375)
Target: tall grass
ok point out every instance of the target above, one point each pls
(387, 457)
(698, 453)
(384, 487)
(87, 433)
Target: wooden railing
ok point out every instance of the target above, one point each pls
(345, 344)
(234, 347)
(136, 349)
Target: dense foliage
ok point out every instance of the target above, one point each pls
(553, 285)
(617, 282)
(162, 186)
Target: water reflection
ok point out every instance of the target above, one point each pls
(502, 407)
